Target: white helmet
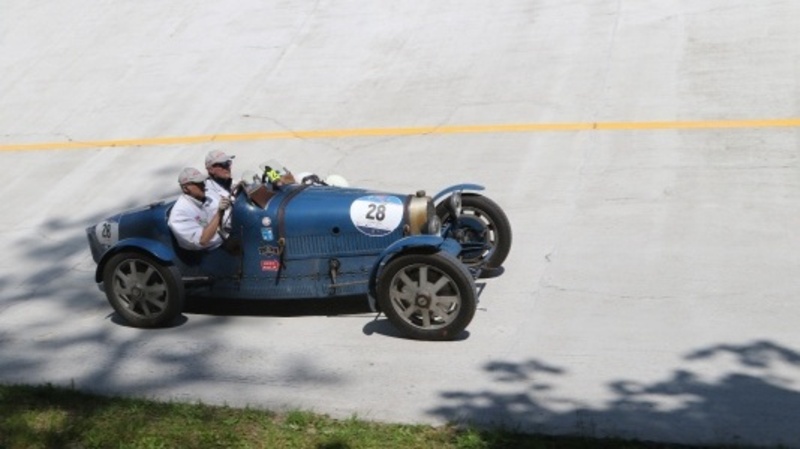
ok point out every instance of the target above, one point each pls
(337, 181)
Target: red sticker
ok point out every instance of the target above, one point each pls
(270, 265)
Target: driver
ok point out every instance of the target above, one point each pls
(219, 182)
(195, 218)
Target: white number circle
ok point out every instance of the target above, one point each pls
(107, 233)
(377, 215)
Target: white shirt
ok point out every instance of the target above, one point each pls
(214, 190)
(187, 220)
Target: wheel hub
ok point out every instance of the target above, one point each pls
(136, 292)
(423, 300)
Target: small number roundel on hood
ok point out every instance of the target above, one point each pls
(377, 215)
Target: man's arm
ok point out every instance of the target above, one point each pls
(213, 225)
(211, 229)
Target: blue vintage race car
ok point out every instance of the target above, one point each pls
(417, 256)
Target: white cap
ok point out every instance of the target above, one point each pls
(217, 157)
(191, 175)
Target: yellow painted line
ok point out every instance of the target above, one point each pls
(425, 130)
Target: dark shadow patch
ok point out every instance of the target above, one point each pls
(117, 319)
(278, 308)
(751, 404)
(382, 326)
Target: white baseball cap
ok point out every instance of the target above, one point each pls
(191, 175)
(217, 157)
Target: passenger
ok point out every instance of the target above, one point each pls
(195, 218)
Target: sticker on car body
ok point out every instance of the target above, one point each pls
(377, 215)
(270, 265)
(267, 250)
(107, 233)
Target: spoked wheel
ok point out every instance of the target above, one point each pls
(143, 291)
(484, 231)
(427, 297)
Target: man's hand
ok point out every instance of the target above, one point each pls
(224, 204)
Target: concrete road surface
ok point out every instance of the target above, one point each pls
(646, 153)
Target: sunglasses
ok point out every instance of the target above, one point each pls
(222, 165)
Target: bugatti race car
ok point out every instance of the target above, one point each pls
(415, 256)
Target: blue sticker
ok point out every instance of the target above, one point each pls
(266, 234)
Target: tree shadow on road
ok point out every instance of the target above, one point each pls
(62, 331)
(750, 404)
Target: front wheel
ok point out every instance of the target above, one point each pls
(483, 231)
(427, 296)
(145, 292)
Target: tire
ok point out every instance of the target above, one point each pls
(486, 226)
(427, 296)
(142, 290)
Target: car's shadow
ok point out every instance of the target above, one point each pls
(284, 308)
(350, 305)
(382, 326)
(278, 308)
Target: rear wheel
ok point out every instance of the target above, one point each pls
(427, 296)
(145, 292)
(484, 231)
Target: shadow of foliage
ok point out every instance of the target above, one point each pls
(751, 404)
(58, 317)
